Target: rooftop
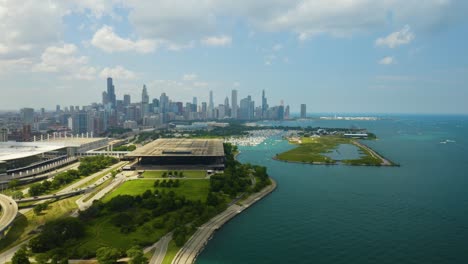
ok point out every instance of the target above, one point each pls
(180, 147)
(12, 150)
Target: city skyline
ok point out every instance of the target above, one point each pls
(403, 56)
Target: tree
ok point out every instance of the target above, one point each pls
(113, 173)
(13, 184)
(21, 256)
(107, 255)
(17, 195)
(136, 255)
(39, 208)
(35, 189)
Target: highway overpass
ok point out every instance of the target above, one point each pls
(9, 212)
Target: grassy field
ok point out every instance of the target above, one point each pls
(101, 233)
(171, 252)
(312, 150)
(24, 225)
(187, 173)
(191, 189)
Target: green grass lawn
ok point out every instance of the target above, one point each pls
(191, 189)
(101, 232)
(186, 173)
(171, 252)
(311, 150)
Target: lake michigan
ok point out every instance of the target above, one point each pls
(416, 213)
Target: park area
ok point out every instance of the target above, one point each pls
(330, 150)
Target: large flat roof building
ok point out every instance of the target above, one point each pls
(25, 156)
(177, 152)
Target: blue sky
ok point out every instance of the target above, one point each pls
(389, 56)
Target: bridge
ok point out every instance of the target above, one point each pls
(53, 196)
(9, 211)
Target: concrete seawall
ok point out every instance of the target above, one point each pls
(192, 248)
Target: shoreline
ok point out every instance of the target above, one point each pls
(197, 242)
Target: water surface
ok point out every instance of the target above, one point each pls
(416, 213)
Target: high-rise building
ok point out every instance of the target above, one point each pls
(105, 98)
(163, 103)
(246, 108)
(111, 92)
(144, 102)
(57, 108)
(27, 115)
(234, 104)
(144, 95)
(127, 100)
(264, 104)
(194, 104)
(227, 109)
(211, 104)
(286, 112)
(303, 111)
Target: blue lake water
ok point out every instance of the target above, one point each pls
(416, 213)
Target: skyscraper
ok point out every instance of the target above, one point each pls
(144, 102)
(111, 92)
(303, 111)
(27, 116)
(163, 103)
(234, 104)
(194, 104)
(211, 104)
(144, 95)
(247, 108)
(127, 100)
(264, 104)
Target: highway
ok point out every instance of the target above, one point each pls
(160, 249)
(9, 212)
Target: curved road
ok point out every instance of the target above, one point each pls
(9, 212)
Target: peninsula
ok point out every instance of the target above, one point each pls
(325, 150)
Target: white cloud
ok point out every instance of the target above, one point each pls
(118, 72)
(189, 77)
(200, 84)
(222, 40)
(387, 61)
(108, 41)
(277, 47)
(65, 61)
(402, 37)
(190, 19)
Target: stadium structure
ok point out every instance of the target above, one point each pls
(20, 159)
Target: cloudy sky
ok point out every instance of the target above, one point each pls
(373, 56)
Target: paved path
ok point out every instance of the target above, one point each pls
(160, 249)
(8, 254)
(83, 205)
(374, 154)
(9, 212)
(189, 252)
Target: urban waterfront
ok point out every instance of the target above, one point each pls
(416, 213)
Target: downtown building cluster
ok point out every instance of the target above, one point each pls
(96, 119)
